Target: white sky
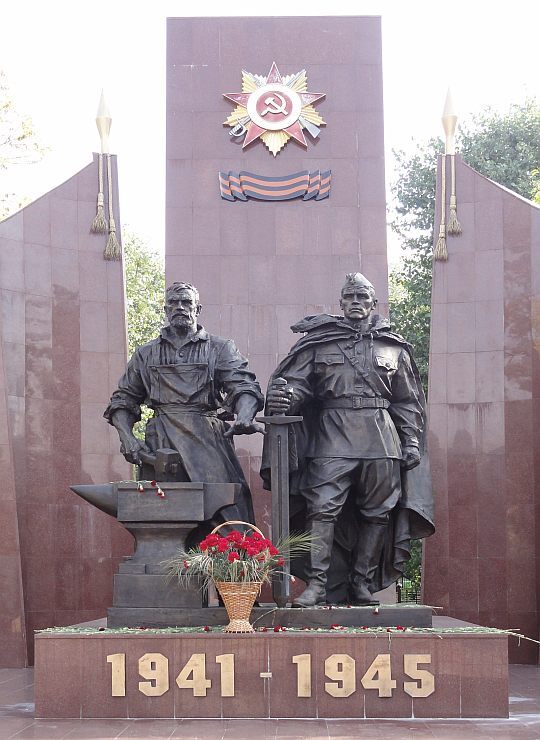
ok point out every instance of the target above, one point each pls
(58, 55)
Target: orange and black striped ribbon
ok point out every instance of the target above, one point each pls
(245, 185)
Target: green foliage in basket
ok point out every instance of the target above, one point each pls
(236, 558)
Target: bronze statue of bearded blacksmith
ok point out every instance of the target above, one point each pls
(194, 381)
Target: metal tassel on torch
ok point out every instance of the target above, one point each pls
(449, 121)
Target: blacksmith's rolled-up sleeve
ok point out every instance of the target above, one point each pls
(233, 377)
(131, 391)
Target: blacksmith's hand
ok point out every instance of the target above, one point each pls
(130, 448)
(279, 399)
(410, 458)
(244, 426)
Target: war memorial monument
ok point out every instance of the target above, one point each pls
(275, 216)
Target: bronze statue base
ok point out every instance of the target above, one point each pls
(268, 615)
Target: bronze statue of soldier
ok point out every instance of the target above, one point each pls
(194, 381)
(357, 484)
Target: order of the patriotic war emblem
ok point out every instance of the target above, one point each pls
(274, 108)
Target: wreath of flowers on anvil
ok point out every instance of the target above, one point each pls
(274, 108)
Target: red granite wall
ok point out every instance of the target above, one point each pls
(482, 565)
(261, 266)
(64, 345)
(12, 634)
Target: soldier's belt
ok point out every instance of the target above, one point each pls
(356, 402)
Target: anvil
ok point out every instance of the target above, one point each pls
(160, 526)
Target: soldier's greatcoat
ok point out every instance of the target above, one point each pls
(332, 369)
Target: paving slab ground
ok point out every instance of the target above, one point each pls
(17, 720)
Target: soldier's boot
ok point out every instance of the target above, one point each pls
(367, 554)
(319, 561)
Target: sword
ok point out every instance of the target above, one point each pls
(277, 427)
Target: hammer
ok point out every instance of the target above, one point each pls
(165, 461)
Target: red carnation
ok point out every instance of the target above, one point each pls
(281, 561)
(203, 545)
(206, 628)
(273, 550)
(153, 483)
(256, 536)
(222, 545)
(233, 556)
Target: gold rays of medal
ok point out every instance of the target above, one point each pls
(274, 140)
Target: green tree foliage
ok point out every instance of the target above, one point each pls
(503, 146)
(536, 187)
(413, 567)
(18, 144)
(145, 290)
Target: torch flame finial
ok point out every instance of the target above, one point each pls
(103, 123)
(449, 122)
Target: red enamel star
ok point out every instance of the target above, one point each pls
(274, 108)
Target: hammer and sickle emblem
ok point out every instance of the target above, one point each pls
(273, 106)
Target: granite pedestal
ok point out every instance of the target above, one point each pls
(301, 674)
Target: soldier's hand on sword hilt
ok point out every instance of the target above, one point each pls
(280, 397)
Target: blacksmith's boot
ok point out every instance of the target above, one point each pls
(319, 560)
(367, 554)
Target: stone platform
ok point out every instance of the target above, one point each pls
(340, 673)
(385, 615)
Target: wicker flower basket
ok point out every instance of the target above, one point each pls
(239, 599)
